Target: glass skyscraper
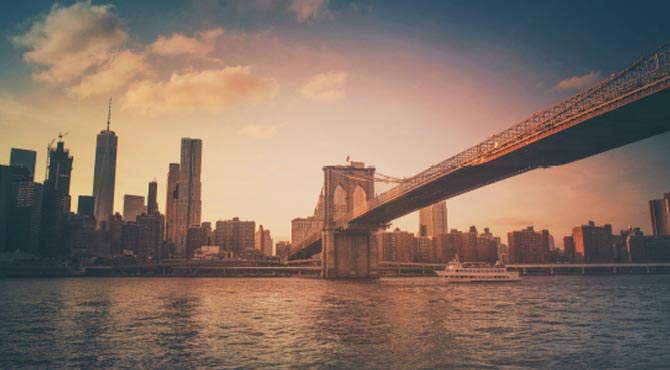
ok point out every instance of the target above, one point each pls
(24, 158)
(105, 174)
(433, 220)
(660, 215)
(189, 201)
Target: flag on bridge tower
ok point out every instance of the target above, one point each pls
(347, 159)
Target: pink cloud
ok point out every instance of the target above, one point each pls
(178, 44)
(326, 87)
(579, 82)
(211, 90)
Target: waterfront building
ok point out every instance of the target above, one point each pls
(171, 203)
(81, 235)
(129, 236)
(301, 228)
(115, 226)
(593, 243)
(207, 252)
(104, 175)
(569, 248)
(149, 235)
(660, 215)
(5, 206)
(56, 202)
(235, 235)
(133, 206)
(503, 253)
(424, 249)
(433, 220)
(195, 238)
(24, 158)
(208, 234)
(152, 204)
(189, 202)
(86, 205)
(641, 248)
(263, 241)
(397, 246)
(24, 216)
(487, 247)
(469, 249)
(528, 246)
(448, 245)
(282, 249)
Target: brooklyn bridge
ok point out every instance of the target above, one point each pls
(628, 106)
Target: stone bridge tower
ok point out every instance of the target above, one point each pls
(349, 250)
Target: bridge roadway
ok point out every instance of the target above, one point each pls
(627, 107)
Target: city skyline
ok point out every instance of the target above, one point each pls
(265, 146)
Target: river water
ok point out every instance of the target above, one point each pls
(563, 322)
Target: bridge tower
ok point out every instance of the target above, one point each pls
(349, 250)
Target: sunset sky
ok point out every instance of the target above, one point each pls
(277, 89)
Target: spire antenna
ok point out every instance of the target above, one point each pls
(109, 114)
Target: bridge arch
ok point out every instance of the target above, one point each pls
(340, 200)
(359, 197)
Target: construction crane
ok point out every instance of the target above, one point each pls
(49, 146)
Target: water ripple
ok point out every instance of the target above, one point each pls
(602, 322)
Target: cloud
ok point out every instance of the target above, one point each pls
(326, 87)
(579, 82)
(113, 75)
(258, 132)
(70, 40)
(310, 10)
(178, 44)
(212, 90)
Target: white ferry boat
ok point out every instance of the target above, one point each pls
(471, 272)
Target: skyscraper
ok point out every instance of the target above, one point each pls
(24, 158)
(189, 202)
(433, 220)
(133, 206)
(660, 215)
(150, 235)
(171, 203)
(26, 218)
(5, 204)
(105, 172)
(152, 205)
(56, 201)
(263, 241)
(86, 205)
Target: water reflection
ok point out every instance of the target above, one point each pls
(547, 322)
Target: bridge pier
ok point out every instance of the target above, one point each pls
(349, 254)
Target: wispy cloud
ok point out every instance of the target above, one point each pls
(115, 74)
(258, 132)
(326, 87)
(178, 44)
(310, 10)
(70, 40)
(211, 90)
(579, 82)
